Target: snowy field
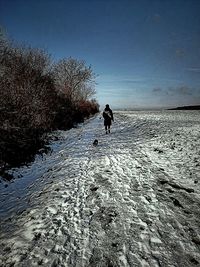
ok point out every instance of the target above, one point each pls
(133, 200)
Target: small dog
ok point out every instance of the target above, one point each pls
(95, 143)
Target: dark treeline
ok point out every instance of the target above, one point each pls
(38, 96)
(197, 107)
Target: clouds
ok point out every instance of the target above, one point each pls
(156, 18)
(156, 90)
(180, 52)
(180, 95)
(135, 91)
(157, 97)
(194, 70)
(180, 90)
(120, 79)
(183, 90)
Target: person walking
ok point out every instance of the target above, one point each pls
(108, 118)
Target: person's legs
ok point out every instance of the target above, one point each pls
(109, 128)
(106, 128)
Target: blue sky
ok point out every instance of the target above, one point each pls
(146, 53)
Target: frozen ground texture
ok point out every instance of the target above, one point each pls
(134, 200)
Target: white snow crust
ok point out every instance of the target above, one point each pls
(132, 200)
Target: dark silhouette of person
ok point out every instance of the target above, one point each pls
(108, 118)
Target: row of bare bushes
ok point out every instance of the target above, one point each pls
(38, 96)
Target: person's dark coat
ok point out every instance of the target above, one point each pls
(108, 116)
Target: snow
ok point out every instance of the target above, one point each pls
(133, 200)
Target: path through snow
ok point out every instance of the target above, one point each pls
(131, 201)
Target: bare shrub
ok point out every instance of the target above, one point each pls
(76, 82)
(26, 88)
(74, 79)
(36, 97)
(27, 99)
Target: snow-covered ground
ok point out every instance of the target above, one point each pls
(133, 200)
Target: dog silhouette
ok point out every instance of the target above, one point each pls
(95, 143)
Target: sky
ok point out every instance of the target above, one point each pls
(145, 53)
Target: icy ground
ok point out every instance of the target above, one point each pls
(133, 200)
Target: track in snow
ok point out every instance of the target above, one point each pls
(131, 201)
